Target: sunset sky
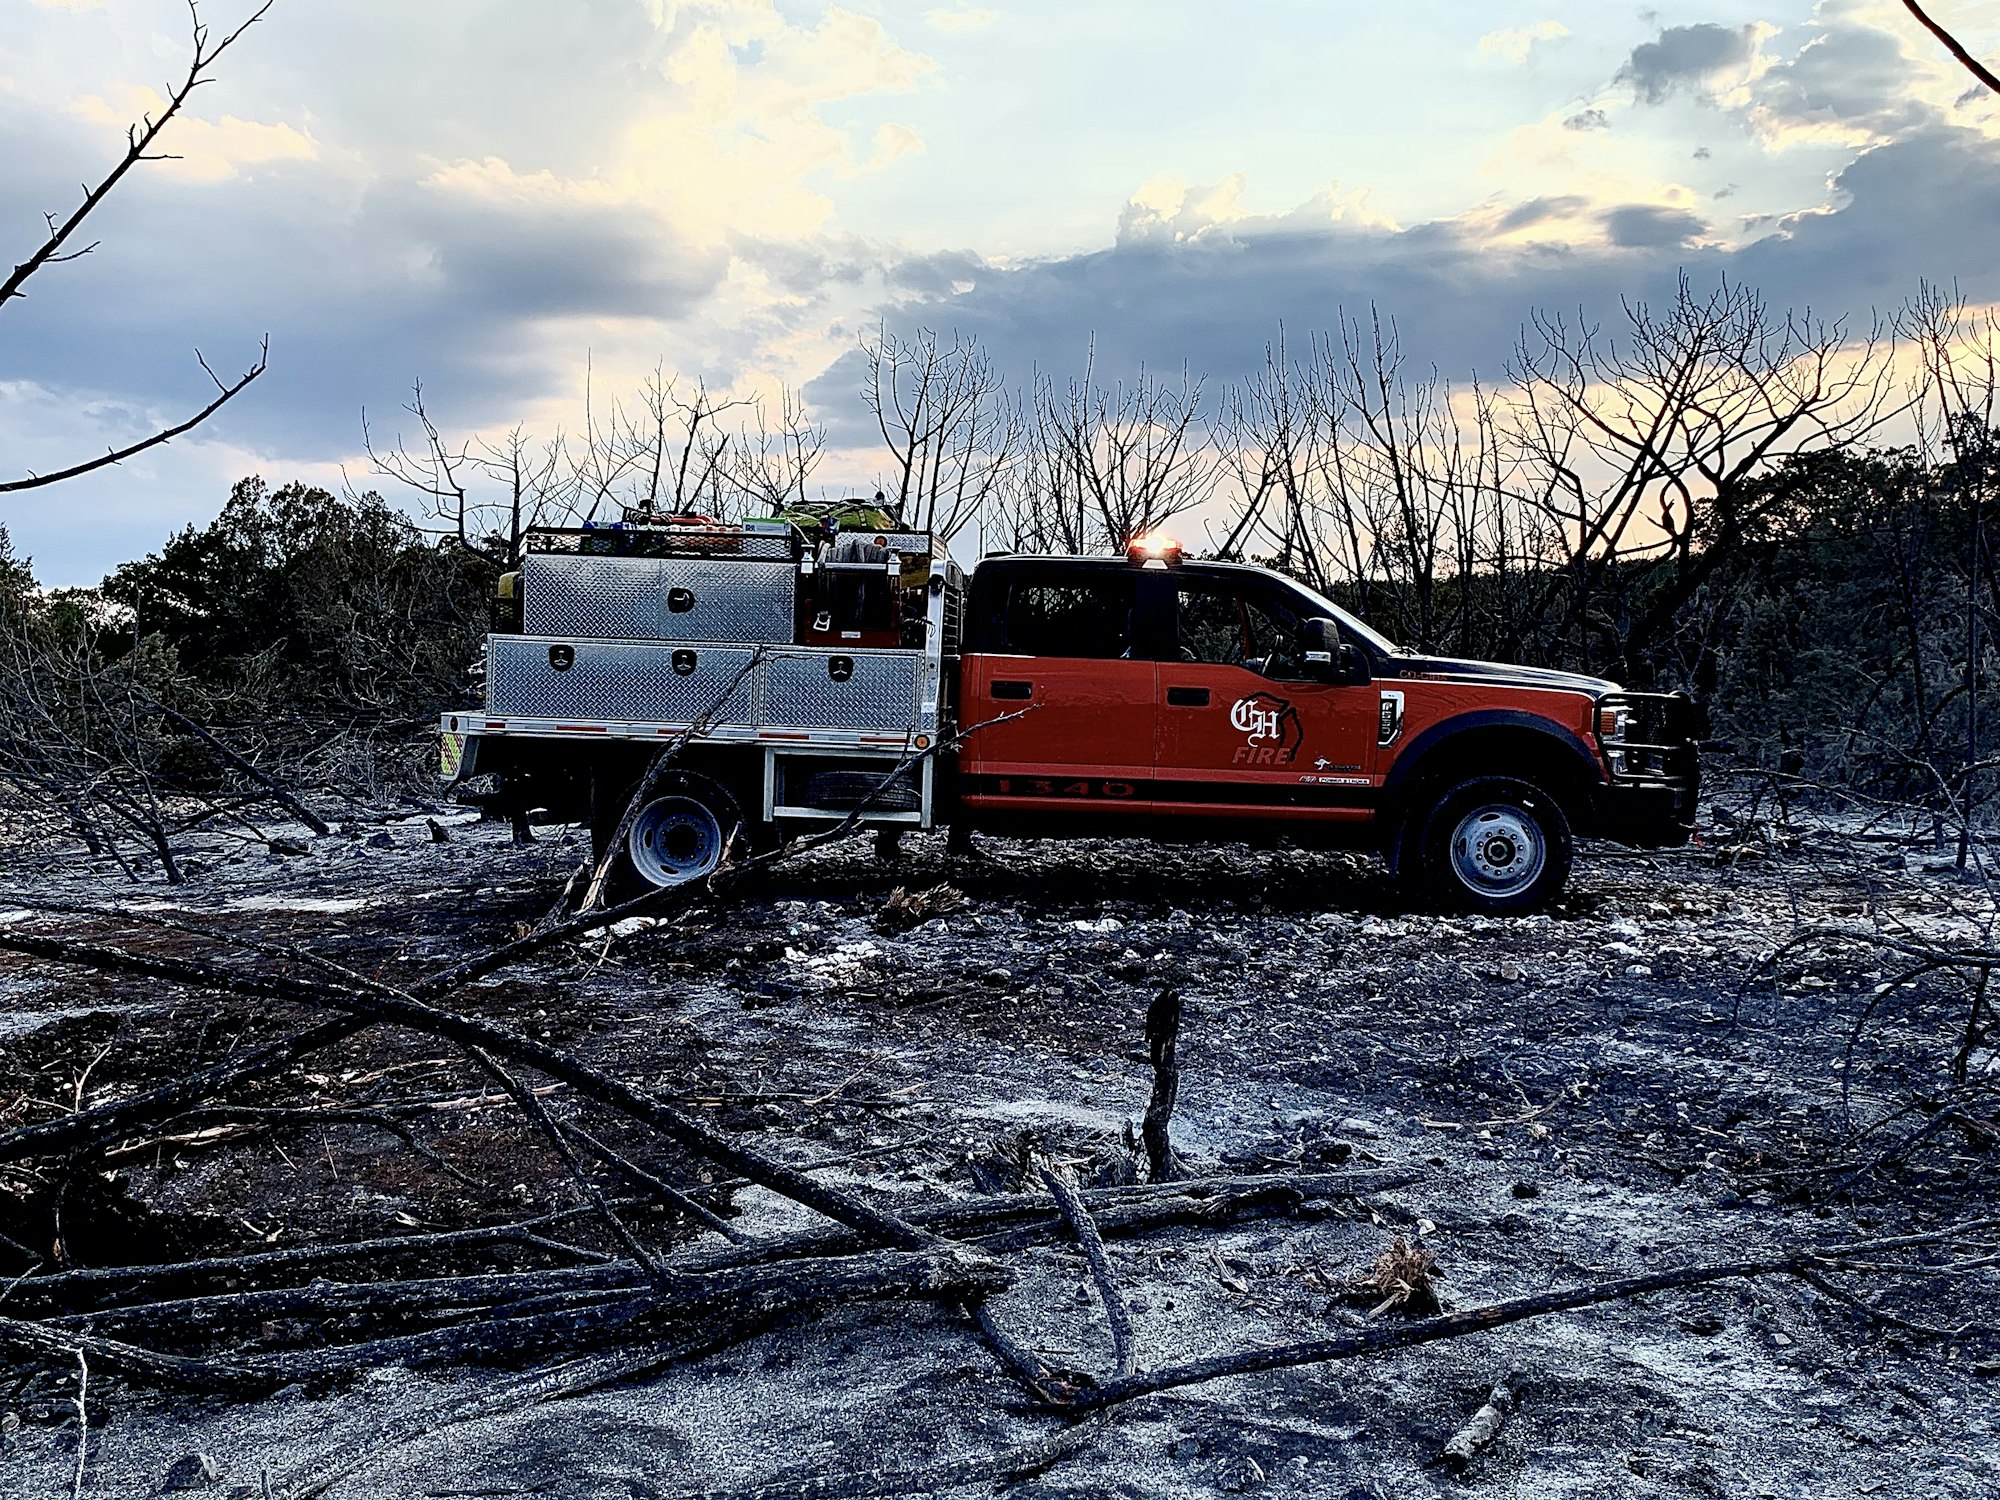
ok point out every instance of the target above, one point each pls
(487, 194)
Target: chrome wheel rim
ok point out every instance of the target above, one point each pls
(1498, 851)
(674, 840)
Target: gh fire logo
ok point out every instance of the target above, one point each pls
(1271, 731)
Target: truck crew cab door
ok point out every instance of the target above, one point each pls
(1244, 730)
(1057, 664)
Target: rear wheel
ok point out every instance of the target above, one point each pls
(678, 834)
(1495, 845)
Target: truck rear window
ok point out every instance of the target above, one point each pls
(1084, 617)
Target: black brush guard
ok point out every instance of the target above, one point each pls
(1651, 793)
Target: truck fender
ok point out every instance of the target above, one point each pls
(1573, 761)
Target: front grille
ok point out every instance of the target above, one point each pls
(1659, 743)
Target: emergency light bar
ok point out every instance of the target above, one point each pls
(1154, 552)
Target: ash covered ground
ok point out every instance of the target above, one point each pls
(1614, 1087)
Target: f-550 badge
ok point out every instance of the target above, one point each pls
(1271, 731)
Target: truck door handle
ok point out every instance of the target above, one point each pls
(1187, 697)
(1018, 691)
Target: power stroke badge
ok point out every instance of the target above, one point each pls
(1271, 730)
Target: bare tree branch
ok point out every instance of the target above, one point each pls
(140, 139)
(227, 394)
(1952, 45)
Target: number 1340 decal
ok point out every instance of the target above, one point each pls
(1039, 786)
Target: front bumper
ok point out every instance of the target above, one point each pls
(1647, 815)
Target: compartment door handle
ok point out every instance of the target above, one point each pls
(1018, 692)
(1187, 697)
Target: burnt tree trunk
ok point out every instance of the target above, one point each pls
(1163, 1029)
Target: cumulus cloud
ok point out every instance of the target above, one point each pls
(1514, 46)
(1460, 288)
(965, 18)
(1165, 210)
(203, 150)
(1851, 83)
(1690, 59)
(1651, 226)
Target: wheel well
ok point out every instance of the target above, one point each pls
(560, 775)
(1536, 756)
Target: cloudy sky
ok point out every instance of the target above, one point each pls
(488, 194)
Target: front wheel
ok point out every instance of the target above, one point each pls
(1494, 845)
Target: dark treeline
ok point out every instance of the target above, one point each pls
(302, 632)
(1781, 517)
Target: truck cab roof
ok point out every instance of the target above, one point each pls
(1304, 598)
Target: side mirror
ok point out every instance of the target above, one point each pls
(1329, 658)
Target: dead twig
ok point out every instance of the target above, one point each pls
(261, 1117)
(1383, 1337)
(538, 1116)
(1084, 1228)
(1952, 45)
(1483, 1428)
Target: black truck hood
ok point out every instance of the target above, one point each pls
(1498, 673)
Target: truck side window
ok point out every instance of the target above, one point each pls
(1224, 627)
(1085, 617)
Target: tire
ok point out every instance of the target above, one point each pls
(679, 836)
(1492, 845)
(837, 789)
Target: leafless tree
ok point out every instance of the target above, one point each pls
(950, 428)
(78, 735)
(668, 452)
(776, 461)
(485, 495)
(1648, 446)
(1956, 391)
(59, 245)
(675, 448)
(1105, 463)
(1390, 489)
(1273, 450)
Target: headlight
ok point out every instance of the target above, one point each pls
(1613, 725)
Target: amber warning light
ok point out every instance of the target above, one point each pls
(1154, 552)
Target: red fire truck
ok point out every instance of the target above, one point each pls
(804, 679)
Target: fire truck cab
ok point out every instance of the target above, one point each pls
(1214, 700)
(798, 682)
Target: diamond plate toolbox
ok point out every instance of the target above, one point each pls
(842, 689)
(658, 598)
(581, 679)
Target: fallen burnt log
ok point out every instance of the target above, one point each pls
(535, 1327)
(1384, 1337)
(93, 1286)
(88, 1300)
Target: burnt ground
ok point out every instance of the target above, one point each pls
(1614, 1087)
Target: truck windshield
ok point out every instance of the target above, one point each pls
(1313, 603)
